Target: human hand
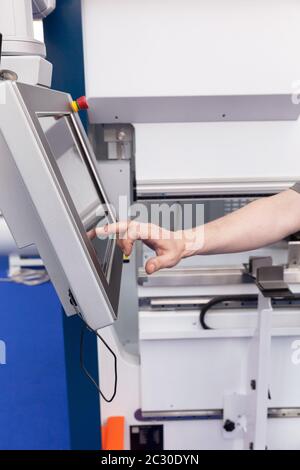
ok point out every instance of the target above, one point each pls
(170, 247)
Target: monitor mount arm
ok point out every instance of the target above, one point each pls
(42, 8)
(6, 74)
(16, 25)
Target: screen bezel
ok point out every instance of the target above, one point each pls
(38, 102)
(107, 262)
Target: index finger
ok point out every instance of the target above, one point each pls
(131, 230)
(112, 229)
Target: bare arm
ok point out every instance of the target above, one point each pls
(260, 223)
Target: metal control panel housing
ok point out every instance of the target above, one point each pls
(51, 196)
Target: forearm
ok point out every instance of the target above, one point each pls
(258, 224)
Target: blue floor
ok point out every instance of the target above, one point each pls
(33, 403)
(46, 402)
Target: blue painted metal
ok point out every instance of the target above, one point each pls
(63, 38)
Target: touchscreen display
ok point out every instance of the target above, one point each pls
(71, 161)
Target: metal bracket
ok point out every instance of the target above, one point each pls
(235, 415)
(256, 262)
(246, 415)
(259, 367)
(294, 254)
(270, 281)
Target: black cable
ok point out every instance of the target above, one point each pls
(83, 330)
(223, 298)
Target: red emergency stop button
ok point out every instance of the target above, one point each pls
(79, 104)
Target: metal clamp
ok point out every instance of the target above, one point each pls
(270, 281)
(268, 278)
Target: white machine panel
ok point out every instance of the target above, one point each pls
(169, 47)
(165, 49)
(228, 154)
(186, 368)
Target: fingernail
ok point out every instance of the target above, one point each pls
(151, 268)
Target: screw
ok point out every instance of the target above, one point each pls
(253, 384)
(229, 425)
(121, 135)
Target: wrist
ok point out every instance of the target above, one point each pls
(193, 241)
